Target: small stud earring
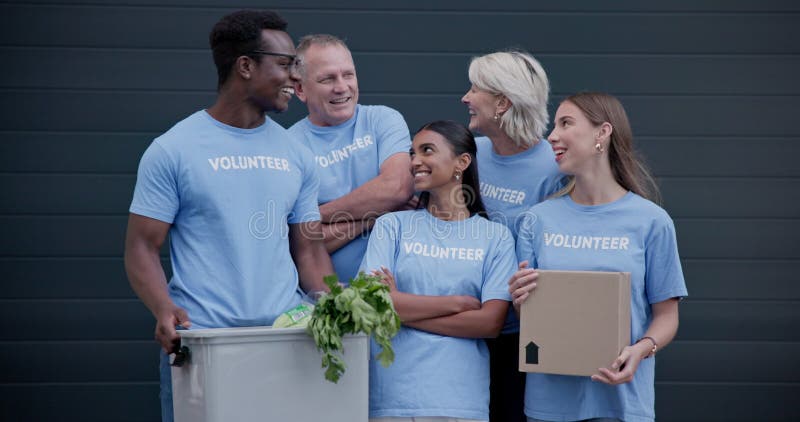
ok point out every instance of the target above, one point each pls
(599, 147)
(496, 117)
(458, 175)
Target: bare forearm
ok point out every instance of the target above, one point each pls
(308, 252)
(664, 325)
(312, 266)
(147, 277)
(412, 307)
(369, 201)
(337, 235)
(482, 323)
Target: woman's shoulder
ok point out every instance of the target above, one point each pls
(648, 208)
(399, 216)
(553, 203)
(493, 229)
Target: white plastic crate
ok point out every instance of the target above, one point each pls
(266, 374)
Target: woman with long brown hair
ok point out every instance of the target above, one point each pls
(609, 197)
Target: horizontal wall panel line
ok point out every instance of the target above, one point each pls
(343, 10)
(82, 341)
(70, 300)
(34, 257)
(122, 213)
(69, 173)
(639, 137)
(84, 132)
(741, 301)
(391, 94)
(134, 300)
(686, 260)
(448, 53)
(683, 177)
(61, 258)
(733, 342)
(125, 212)
(673, 138)
(429, 53)
(78, 384)
(585, 7)
(743, 260)
(729, 219)
(140, 341)
(726, 383)
(688, 178)
(461, 53)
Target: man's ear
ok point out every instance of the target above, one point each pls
(299, 92)
(244, 66)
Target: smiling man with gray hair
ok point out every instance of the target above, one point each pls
(361, 151)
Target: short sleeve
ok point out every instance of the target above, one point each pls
(382, 245)
(156, 194)
(526, 239)
(663, 273)
(392, 133)
(499, 267)
(306, 207)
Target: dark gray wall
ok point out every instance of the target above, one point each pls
(711, 87)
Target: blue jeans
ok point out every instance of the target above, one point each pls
(165, 394)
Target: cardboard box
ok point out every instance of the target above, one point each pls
(575, 322)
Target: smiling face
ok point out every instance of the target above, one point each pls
(482, 106)
(272, 78)
(574, 139)
(433, 162)
(328, 85)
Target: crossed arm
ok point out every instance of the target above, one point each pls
(455, 315)
(485, 322)
(349, 216)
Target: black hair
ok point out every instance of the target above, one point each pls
(461, 141)
(238, 34)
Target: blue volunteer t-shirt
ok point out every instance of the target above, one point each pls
(435, 375)
(229, 194)
(349, 155)
(511, 184)
(632, 235)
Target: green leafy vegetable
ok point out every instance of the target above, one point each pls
(363, 307)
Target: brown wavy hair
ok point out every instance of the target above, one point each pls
(627, 166)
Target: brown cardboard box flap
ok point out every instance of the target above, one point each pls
(575, 322)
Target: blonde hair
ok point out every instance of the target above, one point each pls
(627, 166)
(520, 78)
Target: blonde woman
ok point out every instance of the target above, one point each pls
(507, 103)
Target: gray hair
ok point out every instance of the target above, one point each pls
(309, 40)
(520, 78)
